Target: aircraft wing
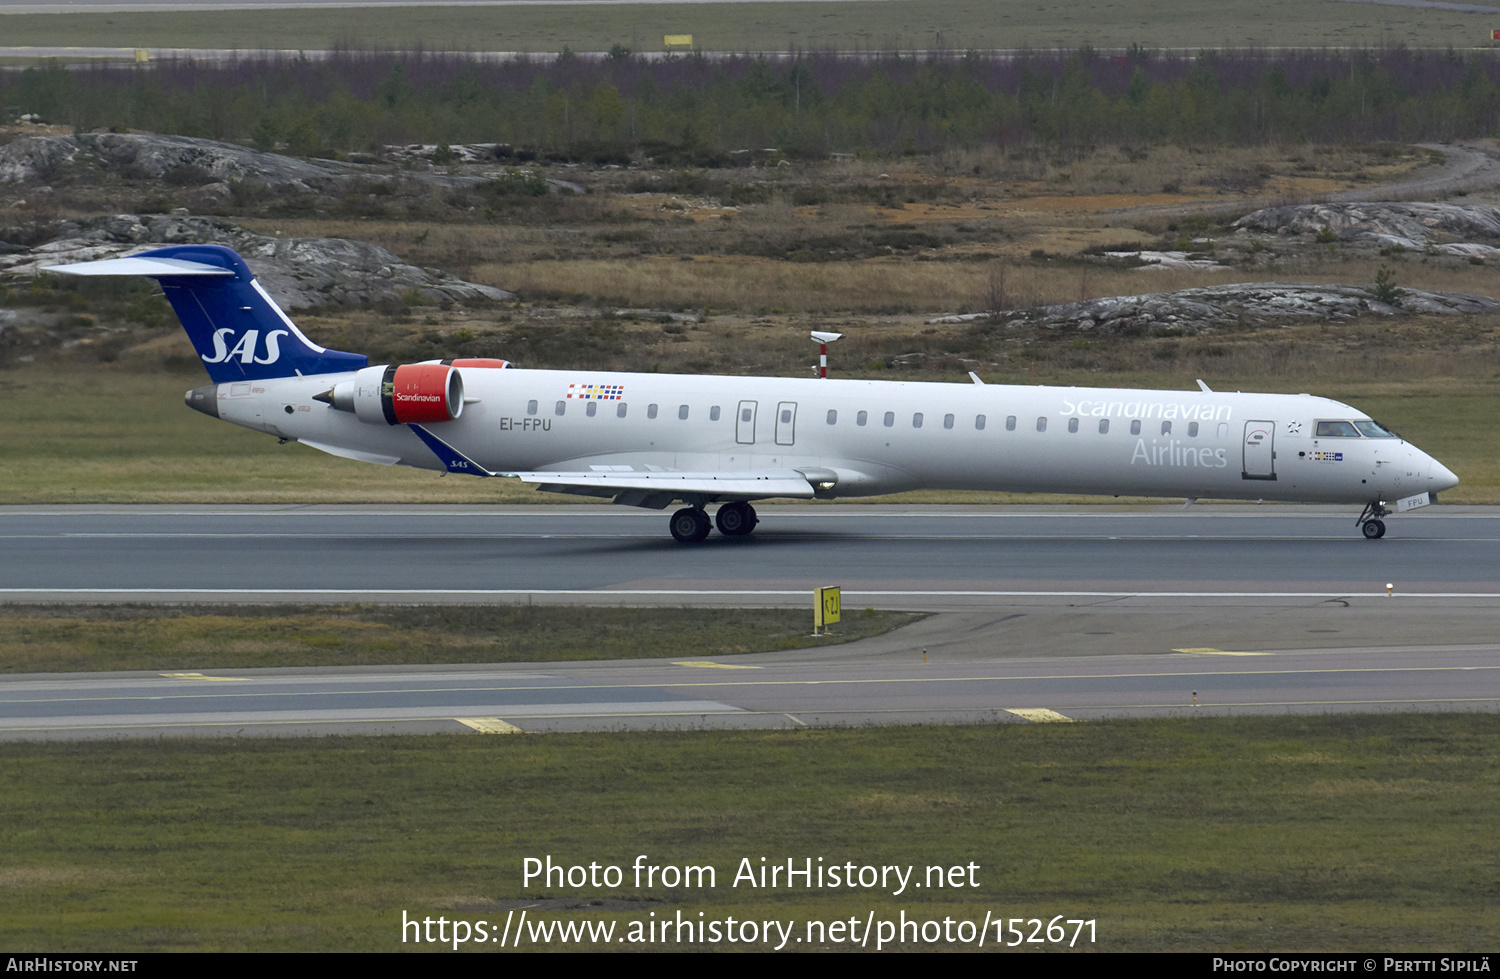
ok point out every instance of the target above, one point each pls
(639, 488)
(655, 490)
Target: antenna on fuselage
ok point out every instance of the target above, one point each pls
(824, 339)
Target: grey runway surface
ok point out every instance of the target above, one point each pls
(745, 693)
(1044, 613)
(882, 556)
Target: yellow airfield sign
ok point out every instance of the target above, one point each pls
(827, 604)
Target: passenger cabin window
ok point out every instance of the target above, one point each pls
(1104, 426)
(1337, 430)
(1192, 430)
(745, 414)
(1041, 424)
(1010, 423)
(833, 417)
(979, 422)
(947, 421)
(620, 410)
(651, 411)
(1374, 430)
(890, 419)
(682, 412)
(1223, 430)
(916, 420)
(1166, 428)
(713, 413)
(786, 415)
(592, 409)
(531, 407)
(861, 418)
(1135, 427)
(562, 406)
(1072, 426)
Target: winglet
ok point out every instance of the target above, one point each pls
(454, 460)
(1204, 387)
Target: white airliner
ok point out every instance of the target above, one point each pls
(648, 440)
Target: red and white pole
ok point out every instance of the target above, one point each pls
(824, 339)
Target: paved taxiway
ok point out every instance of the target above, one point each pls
(746, 692)
(1082, 612)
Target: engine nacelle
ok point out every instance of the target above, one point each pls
(488, 363)
(398, 395)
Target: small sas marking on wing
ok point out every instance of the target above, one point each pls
(596, 392)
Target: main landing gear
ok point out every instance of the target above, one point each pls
(690, 524)
(1369, 520)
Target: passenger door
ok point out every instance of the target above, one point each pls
(1260, 450)
(744, 423)
(786, 423)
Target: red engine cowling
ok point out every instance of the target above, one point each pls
(398, 395)
(422, 393)
(494, 363)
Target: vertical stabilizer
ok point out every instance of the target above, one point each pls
(236, 327)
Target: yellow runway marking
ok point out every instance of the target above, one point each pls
(489, 725)
(715, 666)
(1038, 715)
(200, 676)
(1210, 651)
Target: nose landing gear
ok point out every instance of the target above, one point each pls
(1369, 520)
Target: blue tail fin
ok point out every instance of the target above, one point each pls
(236, 327)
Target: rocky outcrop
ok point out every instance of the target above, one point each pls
(182, 159)
(1459, 229)
(1252, 304)
(298, 272)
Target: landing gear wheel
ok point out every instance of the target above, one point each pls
(1373, 529)
(689, 525)
(736, 519)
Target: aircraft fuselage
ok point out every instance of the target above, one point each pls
(877, 436)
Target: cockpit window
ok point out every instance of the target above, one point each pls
(1374, 430)
(1341, 430)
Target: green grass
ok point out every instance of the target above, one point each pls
(1256, 833)
(54, 639)
(99, 435)
(892, 24)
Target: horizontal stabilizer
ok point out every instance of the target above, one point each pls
(140, 266)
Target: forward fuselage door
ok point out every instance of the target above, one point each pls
(786, 423)
(744, 423)
(1260, 450)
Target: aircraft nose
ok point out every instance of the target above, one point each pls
(1440, 477)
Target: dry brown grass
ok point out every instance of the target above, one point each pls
(964, 209)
